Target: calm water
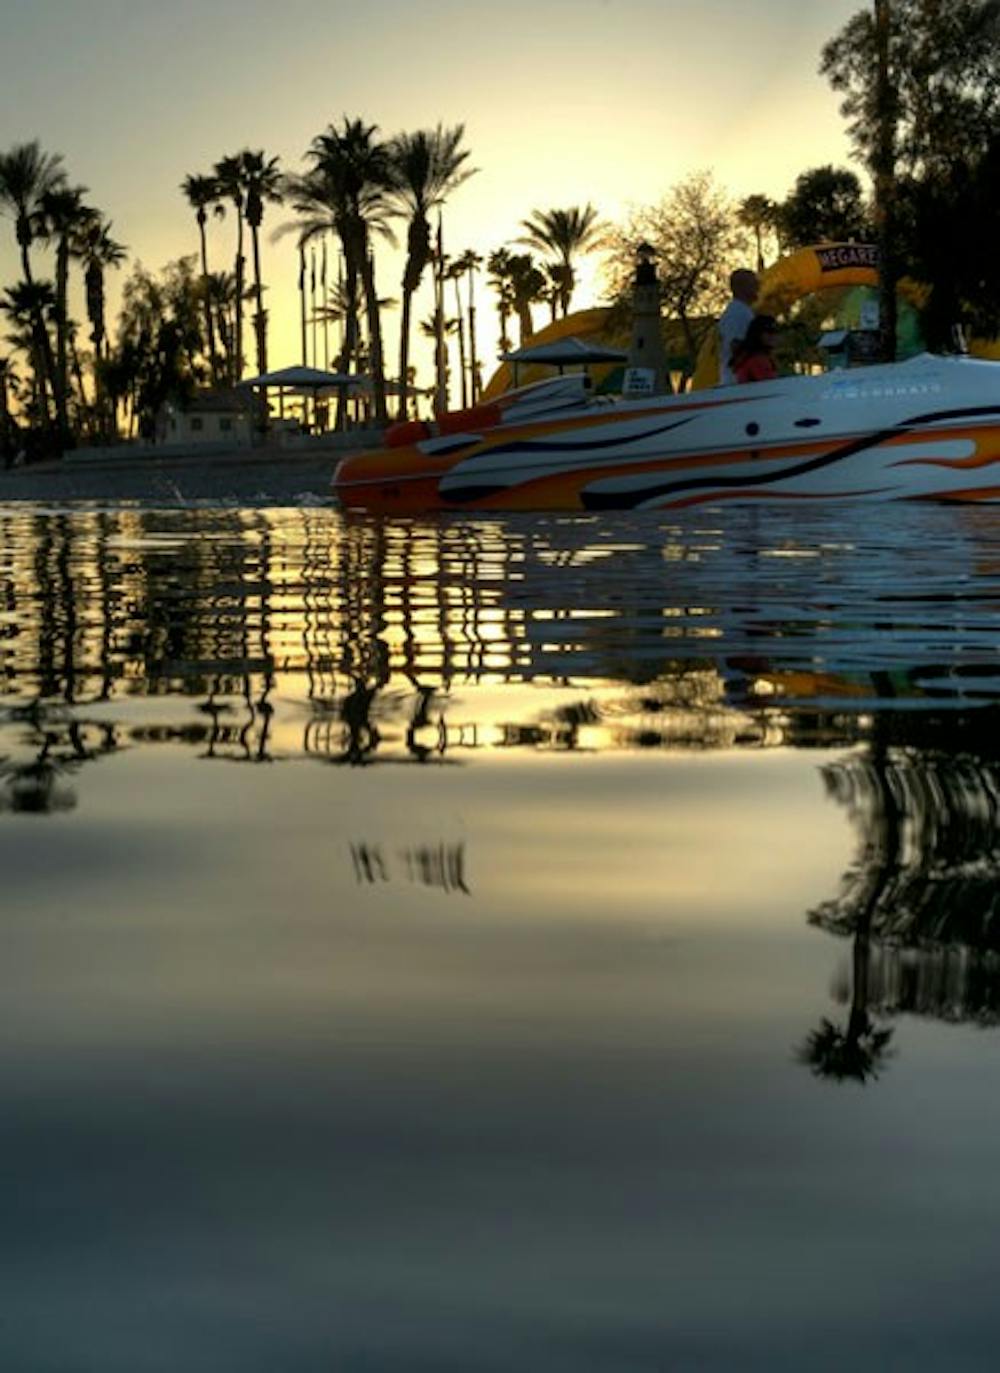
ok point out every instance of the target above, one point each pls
(499, 943)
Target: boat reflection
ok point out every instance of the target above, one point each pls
(921, 902)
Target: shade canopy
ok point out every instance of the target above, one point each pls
(305, 379)
(565, 352)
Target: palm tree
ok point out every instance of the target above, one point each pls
(26, 176)
(201, 192)
(360, 170)
(262, 182)
(63, 216)
(228, 174)
(355, 171)
(426, 167)
(97, 251)
(498, 266)
(563, 234)
(758, 213)
(337, 309)
(454, 272)
(24, 304)
(527, 285)
(470, 262)
(555, 285)
(318, 198)
(439, 327)
(220, 296)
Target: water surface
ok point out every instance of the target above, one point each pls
(499, 942)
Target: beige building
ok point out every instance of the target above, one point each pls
(220, 418)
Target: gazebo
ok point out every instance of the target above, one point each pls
(305, 381)
(562, 353)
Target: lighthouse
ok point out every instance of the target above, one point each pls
(646, 372)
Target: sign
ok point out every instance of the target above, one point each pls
(840, 255)
(869, 314)
(639, 381)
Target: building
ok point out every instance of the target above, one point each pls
(220, 418)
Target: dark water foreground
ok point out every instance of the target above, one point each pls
(499, 943)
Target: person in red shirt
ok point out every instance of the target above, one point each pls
(753, 359)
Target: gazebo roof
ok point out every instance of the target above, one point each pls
(304, 379)
(564, 352)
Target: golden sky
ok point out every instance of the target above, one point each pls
(608, 101)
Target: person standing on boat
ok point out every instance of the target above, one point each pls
(753, 358)
(735, 320)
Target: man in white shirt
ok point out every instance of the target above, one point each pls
(735, 320)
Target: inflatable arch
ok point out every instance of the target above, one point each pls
(825, 267)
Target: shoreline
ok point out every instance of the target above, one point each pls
(256, 476)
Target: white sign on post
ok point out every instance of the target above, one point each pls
(869, 314)
(639, 381)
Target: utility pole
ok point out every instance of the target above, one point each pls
(884, 170)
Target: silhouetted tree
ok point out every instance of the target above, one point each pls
(945, 64)
(354, 173)
(563, 235)
(426, 167)
(228, 177)
(262, 182)
(759, 214)
(27, 175)
(826, 205)
(203, 192)
(63, 217)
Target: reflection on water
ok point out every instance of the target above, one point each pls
(649, 634)
(555, 987)
(921, 902)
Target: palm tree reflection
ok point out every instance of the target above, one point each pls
(59, 746)
(921, 901)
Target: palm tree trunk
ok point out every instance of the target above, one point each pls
(566, 286)
(206, 302)
(473, 363)
(303, 312)
(225, 331)
(440, 351)
(504, 315)
(884, 169)
(260, 320)
(312, 301)
(78, 377)
(325, 297)
(350, 325)
(525, 323)
(62, 329)
(403, 410)
(6, 439)
(374, 333)
(237, 367)
(461, 344)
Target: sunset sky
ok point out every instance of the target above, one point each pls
(610, 101)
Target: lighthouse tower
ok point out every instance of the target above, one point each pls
(646, 372)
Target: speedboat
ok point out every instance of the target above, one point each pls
(925, 429)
